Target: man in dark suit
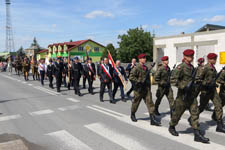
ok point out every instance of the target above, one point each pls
(59, 69)
(106, 78)
(90, 72)
(131, 66)
(50, 73)
(118, 76)
(77, 71)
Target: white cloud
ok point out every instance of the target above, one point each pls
(156, 26)
(217, 18)
(98, 13)
(176, 22)
(145, 26)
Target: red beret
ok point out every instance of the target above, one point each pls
(141, 56)
(189, 52)
(212, 56)
(201, 60)
(164, 58)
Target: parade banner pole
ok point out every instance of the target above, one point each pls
(114, 66)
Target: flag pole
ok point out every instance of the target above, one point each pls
(113, 63)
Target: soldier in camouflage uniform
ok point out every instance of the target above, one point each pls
(182, 77)
(221, 81)
(162, 76)
(197, 81)
(26, 68)
(208, 91)
(140, 77)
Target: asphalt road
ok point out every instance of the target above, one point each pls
(35, 117)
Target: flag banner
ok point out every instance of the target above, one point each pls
(111, 61)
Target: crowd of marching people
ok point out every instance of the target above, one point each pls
(191, 82)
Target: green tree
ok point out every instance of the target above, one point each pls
(112, 50)
(20, 52)
(135, 42)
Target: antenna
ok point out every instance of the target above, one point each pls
(9, 42)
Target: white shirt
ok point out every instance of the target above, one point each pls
(42, 67)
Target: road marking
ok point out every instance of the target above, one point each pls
(211, 129)
(66, 141)
(101, 111)
(12, 117)
(73, 107)
(43, 90)
(41, 112)
(24, 82)
(121, 139)
(56, 93)
(73, 100)
(163, 131)
(30, 84)
(110, 111)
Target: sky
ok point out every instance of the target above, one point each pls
(54, 21)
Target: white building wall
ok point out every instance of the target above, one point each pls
(170, 49)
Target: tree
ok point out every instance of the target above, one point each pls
(135, 42)
(112, 50)
(20, 52)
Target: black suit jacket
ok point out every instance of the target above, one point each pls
(87, 69)
(116, 75)
(103, 75)
(77, 70)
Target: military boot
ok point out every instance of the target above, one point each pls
(220, 127)
(189, 121)
(173, 131)
(157, 111)
(199, 137)
(133, 117)
(214, 116)
(154, 121)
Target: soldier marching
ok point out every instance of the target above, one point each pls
(191, 83)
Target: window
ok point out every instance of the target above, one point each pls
(96, 49)
(179, 53)
(160, 53)
(202, 51)
(80, 48)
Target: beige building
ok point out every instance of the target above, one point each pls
(33, 49)
(208, 39)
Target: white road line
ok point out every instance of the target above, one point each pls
(37, 87)
(183, 121)
(73, 107)
(66, 141)
(73, 100)
(12, 117)
(49, 90)
(101, 111)
(113, 112)
(30, 84)
(112, 135)
(24, 82)
(41, 112)
(163, 131)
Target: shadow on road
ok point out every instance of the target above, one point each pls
(10, 142)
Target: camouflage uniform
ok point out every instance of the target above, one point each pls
(164, 88)
(182, 76)
(26, 68)
(208, 91)
(142, 89)
(221, 81)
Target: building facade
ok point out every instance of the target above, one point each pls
(78, 48)
(206, 40)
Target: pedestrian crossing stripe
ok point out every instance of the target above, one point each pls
(161, 131)
(65, 141)
(114, 136)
